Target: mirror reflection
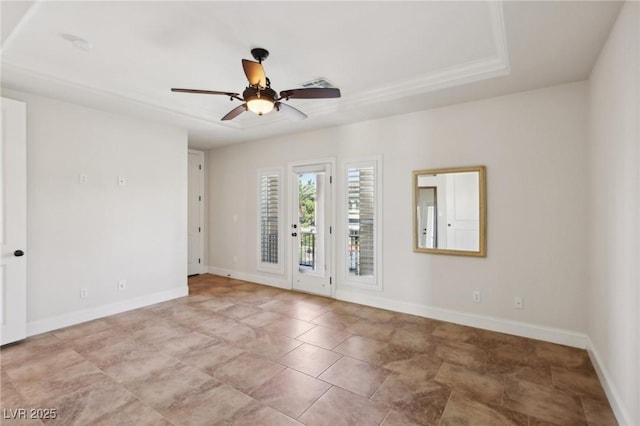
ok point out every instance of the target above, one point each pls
(449, 208)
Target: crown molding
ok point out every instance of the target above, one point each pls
(493, 66)
(133, 96)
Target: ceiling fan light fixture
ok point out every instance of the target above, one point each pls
(260, 106)
(260, 101)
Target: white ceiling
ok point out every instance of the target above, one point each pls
(386, 57)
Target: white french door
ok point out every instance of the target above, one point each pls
(311, 227)
(13, 222)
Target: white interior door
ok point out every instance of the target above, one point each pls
(311, 228)
(195, 212)
(13, 222)
(463, 211)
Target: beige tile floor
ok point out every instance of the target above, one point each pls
(238, 353)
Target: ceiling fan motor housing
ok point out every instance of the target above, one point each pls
(251, 93)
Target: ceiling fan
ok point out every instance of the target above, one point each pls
(260, 98)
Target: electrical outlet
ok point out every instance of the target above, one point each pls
(122, 285)
(84, 293)
(476, 297)
(518, 302)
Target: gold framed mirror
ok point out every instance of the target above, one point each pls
(450, 211)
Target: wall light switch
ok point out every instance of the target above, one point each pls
(83, 178)
(122, 181)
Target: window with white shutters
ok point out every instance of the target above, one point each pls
(363, 208)
(269, 212)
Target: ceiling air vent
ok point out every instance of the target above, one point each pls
(318, 82)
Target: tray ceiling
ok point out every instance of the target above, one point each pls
(386, 57)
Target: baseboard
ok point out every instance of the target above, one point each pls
(77, 317)
(622, 414)
(273, 281)
(532, 331)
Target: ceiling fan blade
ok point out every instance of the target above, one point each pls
(209, 92)
(255, 73)
(290, 111)
(311, 93)
(234, 112)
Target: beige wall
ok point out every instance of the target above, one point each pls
(614, 222)
(93, 235)
(533, 145)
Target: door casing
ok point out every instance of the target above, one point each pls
(330, 255)
(13, 220)
(195, 261)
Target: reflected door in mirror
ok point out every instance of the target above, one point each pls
(427, 221)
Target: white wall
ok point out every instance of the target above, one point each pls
(614, 228)
(92, 235)
(533, 145)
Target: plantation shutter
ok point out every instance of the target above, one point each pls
(269, 218)
(361, 201)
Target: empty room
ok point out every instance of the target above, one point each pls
(320, 213)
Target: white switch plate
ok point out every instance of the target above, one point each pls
(122, 285)
(122, 181)
(84, 293)
(476, 297)
(83, 178)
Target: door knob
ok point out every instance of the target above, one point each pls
(18, 253)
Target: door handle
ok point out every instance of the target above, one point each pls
(294, 234)
(18, 253)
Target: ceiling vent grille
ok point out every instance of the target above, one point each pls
(318, 82)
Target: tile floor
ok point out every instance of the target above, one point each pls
(238, 353)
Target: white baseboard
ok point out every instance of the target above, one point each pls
(622, 414)
(532, 331)
(77, 317)
(273, 281)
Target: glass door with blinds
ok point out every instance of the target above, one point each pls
(311, 229)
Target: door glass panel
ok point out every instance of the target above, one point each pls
(310, 222)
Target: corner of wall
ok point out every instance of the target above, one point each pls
(613, 396)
